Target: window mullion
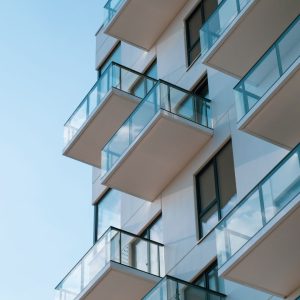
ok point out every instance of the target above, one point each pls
(217, 188)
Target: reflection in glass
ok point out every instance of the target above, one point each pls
(163, 96)
(170, 288)
(112, 76)
(272, 194)
(114, 245)
(269, 69)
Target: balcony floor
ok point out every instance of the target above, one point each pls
(162, 149)
(117, 282)
(86, 145)
(253, 31)
(275, 117)
(148, 20)
(270, 260)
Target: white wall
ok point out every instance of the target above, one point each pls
(253, 158)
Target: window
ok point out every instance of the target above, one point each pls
(146, 255)
(108, 212)
(115, 56)
(216, 189)
(194, 23)
(209, 279)
(142, 87)
(197, 111)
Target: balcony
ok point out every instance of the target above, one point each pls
(110, 101)
(158, 139)
(239, 31)
(258, 241)
(170, 288)
(148, 20)
(120, 265)
(268, 96)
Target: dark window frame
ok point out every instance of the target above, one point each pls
(149, 67)
(205, 275)
(146, 234)
(111, 53)
(217, 202)
(189, 48)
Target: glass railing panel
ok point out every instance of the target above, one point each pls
(272, 194)
(219, 21)
(114, 76)
(110, 9)
(162, 96)
(171, 288)
(268, 70)
(118, 246)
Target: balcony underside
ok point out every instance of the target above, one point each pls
(101, 125)
(163, 148)
(275, 117)
(250, 35)
(270, 260)
(119, 282)
(148, 20)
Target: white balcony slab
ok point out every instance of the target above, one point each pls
(116, 282)
(141, 22)
(270, 260)
(86, 145)
(159, 153)
(250, 34)
(275, 117)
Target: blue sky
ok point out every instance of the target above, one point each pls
(47, 53)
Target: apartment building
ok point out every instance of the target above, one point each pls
(192, 132)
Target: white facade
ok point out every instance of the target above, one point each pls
(185, 255)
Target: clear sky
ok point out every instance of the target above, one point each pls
(47, 53)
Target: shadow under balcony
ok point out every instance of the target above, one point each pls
(158, 139)
(258, 241)
(267, 99)
(148, 20)
(110, 101)
(237, 34)
(120, 265)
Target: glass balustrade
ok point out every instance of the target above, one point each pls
(110, 9)
(118, 246)
(163, 96)
(170, 288)
(219, 21)
(269, 69)
(262, 204)
(114, 76)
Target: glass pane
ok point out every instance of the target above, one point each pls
(289, 46)
(194, 52)
(109, 211)
(281, 187)
(141, 255)
(274, 192)
(207, 187)
(152, 71)
(156, 231)
(115, 56)
(194, 23)
(209, 7)
(266, 72)
(242, 224)
(220, 19)
(201, 281)
(226, 179)
(114, 245)
(209, 220)
(215, 282)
